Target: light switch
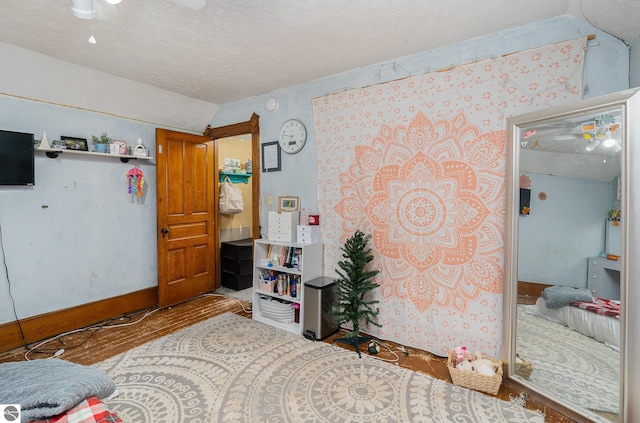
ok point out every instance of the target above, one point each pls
(270, 200)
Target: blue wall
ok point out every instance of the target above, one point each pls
(634, 65)
(77, 236)
(563, 230)
(606, 71)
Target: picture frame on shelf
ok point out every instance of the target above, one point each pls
(288, 204)
(73, 143)
(58, 144)
(271, 157)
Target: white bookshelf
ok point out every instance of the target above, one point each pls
(310, 267)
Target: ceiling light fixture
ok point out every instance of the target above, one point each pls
(566, 137)
(609, 141)
(83, 9)
(592, 145)
(113, 1)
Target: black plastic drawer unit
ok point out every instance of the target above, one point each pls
(236, 262)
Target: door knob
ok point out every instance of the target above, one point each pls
(164, 231)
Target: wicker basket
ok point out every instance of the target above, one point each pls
(274, 309)
(524, 368)
(488, 384)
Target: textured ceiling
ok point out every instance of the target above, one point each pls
(231, 50)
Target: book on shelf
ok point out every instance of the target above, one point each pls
(289, 255)
(283, 255)
(298, 254)
(286, 256)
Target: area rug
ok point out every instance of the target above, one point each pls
(233, 369)
(575, 367)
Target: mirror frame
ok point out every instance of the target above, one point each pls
(629, 104)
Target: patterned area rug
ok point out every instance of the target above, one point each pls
(575, 367)
(233, 369)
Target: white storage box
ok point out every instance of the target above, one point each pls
(282, 226)
(308, 234)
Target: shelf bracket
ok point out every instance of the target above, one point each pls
(52, 154)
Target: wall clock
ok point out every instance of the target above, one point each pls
(293, 135)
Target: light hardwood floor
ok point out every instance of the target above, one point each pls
(94, 345)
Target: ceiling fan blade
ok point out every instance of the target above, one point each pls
(191, 4)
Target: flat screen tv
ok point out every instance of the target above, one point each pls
(16, 158)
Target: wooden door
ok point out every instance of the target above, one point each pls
(186, 206)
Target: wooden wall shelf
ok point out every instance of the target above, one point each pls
(52, 153)
(236, 178)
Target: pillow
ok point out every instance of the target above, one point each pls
(560, 296)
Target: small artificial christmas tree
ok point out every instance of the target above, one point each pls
(354, 282)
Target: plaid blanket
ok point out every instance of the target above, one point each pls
(600, 306)
(91, 410)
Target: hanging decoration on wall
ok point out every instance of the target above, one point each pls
(615, 217)
(524, 141)
(525, 195)
(135, 179)
(422, 172)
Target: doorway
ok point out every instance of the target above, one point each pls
(229, 140)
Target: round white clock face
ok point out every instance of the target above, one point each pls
(293, 135)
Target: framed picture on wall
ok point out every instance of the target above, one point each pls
(271, 157)
(286, 204)
(525, 201)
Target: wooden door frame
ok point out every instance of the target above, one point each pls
(252, 126)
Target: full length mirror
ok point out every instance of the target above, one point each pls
(567, 249)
